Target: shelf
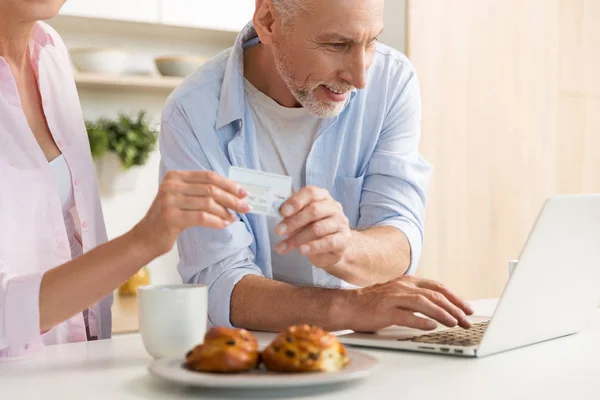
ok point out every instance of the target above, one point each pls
(99, 81)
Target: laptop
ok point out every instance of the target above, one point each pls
(553, 292)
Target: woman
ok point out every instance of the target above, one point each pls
(56, 272)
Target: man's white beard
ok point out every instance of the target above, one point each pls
(307, 96)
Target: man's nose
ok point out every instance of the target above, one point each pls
(356, 68)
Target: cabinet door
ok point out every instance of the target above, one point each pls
(132, 10)
(227, 15)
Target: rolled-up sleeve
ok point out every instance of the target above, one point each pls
(19, 311)
(221, 278)
(396, 179)
(218, 258)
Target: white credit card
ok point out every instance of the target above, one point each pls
(266, 192)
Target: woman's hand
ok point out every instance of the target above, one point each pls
(186, 199)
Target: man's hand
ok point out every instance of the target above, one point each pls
(315, 224)
(395, 302)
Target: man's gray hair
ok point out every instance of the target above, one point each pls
(289, 9)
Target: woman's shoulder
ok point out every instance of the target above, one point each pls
(53, 37)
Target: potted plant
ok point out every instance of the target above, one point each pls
(120, 147)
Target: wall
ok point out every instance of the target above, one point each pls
(511, 98)
(394, 33)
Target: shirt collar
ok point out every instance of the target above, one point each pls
(232, 102)
(40, 36)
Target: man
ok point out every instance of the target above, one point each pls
(306, 91)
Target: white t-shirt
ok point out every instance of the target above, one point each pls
(285, 137)
(62, 174)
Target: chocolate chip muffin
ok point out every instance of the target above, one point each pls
(305, 348)
(225, 350)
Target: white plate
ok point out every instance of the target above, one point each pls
(361, 365)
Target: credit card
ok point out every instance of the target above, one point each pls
(266, 192)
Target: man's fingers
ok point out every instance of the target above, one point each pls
(316, 211)
(438, 287)
(408, 319)
(439, 299)
(329, 244)
(334, 243)
(302, 198)
(419, 303)
(312, 232)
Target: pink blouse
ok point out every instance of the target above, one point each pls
(33, 236)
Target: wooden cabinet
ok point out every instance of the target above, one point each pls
(131, 10)
(511, 115)
(227, 15)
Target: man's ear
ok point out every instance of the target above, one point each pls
(264, 20)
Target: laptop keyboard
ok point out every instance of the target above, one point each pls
(454, 336)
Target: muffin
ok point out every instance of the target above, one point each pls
(305, 348)
(225, 350)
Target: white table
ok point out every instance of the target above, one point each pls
(567, 368)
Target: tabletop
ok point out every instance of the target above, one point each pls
(118, 369)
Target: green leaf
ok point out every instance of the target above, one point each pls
(132, 139)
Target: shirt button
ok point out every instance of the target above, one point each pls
(60, 143)
(84, 225)
(76, 182)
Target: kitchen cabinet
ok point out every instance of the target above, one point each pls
(129, 10)
(511, 116)
(227, 15)
(222, 15)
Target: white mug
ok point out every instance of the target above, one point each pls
(172, 318)
(512, 264)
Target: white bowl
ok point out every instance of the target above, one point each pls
(180, 66)
(105, 61)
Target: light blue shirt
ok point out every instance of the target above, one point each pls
(367, 158)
